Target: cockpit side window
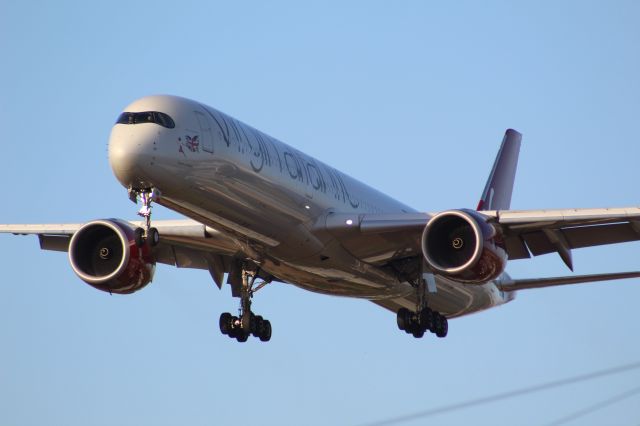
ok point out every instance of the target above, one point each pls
(146, 117)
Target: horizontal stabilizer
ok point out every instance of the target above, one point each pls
(513, 285)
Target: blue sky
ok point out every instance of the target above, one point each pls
(410, 97)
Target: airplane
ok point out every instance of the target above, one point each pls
(261, 211)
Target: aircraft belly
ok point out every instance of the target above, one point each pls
(453, 299)
(338, 281)
(272, 224)
(457, 299)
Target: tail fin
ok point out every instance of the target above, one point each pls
(497, 192)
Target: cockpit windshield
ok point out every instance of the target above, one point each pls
(146, 117)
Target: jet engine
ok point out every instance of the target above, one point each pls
(461, 244)
(104, 254)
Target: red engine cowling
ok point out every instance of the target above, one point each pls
(103, 253)
(462, 245)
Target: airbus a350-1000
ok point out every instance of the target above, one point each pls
(260, 211)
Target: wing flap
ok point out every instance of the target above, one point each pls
(589, 236)
(54, 242)
(548, 231)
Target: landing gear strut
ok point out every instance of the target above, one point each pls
(246, 323)
(148, 233)
(423, 319)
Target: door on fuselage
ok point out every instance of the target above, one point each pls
(205, 132)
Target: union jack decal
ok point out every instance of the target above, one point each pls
(193, 144)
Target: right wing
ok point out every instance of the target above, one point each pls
(183, 243)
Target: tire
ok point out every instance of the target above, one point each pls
(444, 327)
(257, 324)
(265, 336)
(401, 318)
(245, 323)
(139, 237)
(225, 323)
(153, 237)
(242, 336)
(418, 333)
(411, 327)
(436, 320)
(234, 331)
(426, 319)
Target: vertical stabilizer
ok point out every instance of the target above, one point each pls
(497, 191)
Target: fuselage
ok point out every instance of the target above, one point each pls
(267, 196)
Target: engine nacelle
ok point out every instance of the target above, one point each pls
(461, 244)
(104, 254)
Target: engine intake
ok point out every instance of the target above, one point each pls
(103, 253)
(462, 245)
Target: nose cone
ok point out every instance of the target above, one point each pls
(131, 154)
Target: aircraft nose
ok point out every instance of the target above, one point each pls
(131, 154)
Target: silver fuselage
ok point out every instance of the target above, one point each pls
(271, 199)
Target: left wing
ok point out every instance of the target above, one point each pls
(381, 238)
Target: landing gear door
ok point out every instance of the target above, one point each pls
(205, 132)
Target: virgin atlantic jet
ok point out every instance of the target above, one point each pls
(261, 211)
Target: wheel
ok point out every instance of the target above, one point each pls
(256, 325)
(234, 329)
(265, 336)
(139, 237)
(402, 318)
(418, 333)
(426, 319)
(242, 336)
(245, 322)
(444, 327)
(153, 237)
(408, 328)
(261, 327)
(436, 320)
(225, 323)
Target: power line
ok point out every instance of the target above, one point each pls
(504, 395)
(595, 407)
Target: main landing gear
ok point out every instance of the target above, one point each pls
(246, 323)
(423, 319)
(148, 233)
(417, 323)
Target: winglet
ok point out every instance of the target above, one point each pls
(497, 191)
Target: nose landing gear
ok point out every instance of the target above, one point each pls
(148, 234)
(246, 323)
